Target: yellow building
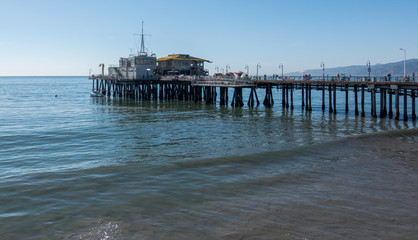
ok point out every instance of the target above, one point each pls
(181, 64)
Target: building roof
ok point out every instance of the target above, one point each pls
(181, 57)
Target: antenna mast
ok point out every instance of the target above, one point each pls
(142, 51)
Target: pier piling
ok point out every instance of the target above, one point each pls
(414, 116)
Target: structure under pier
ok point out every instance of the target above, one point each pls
(385, 96)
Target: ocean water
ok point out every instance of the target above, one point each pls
(77, 167)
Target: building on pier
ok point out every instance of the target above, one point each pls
(139, 67)
(181, 64)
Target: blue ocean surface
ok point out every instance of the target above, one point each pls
(77, 167)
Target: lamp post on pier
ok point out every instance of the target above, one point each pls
(323, 71)
(281, 66)
(368, 68)
(404, 62)
(258, 66)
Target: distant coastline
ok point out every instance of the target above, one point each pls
(395, 69)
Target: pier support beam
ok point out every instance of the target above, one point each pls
(184, 90)
(374, 111)
(390, 104)
(414, 116)
(291, 96)
(397, 104)
(382, 102)
(335, 99)
(303, 96)
(287, 96)
(268, 99)
(323, 97)
(330, 98)
(405, 104)
(210, 95)
(355, 100)
(237, 100)
(362, 101)
(346, 98)
(251, 101)
(284, 95)
(108, 82)
(310, 97)
(385, 109)
(223, 96)
(307, 97)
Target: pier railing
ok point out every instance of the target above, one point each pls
(342, 78)
(205, 80)
(212, 81)
(224, 82)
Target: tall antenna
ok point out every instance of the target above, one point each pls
(142, 51)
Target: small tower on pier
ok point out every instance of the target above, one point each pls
(136, 67)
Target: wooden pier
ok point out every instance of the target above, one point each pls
(387, 93)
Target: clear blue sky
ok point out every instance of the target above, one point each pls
(61, 37)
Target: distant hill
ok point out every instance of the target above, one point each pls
(396, 69)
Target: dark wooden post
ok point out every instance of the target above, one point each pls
(405, 104)
(283, 95)
(382, 103)
(397, 103)
(303, 97)
(335, 98)
(414, 116)
(237, 100)
(310, 97)
(255, 94)
(374, 102)
(362, 101)
(109, 85)
(234, 97)
(355, 101)
(346, 98)
(215, 94)
(287, 96)
(307, 97)
(291, 96)
(250, 102)
(390, 103)
(385, 110)
(323, 97)
(268, 100)
(371, 100)
(330, 98)
(222, 96)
